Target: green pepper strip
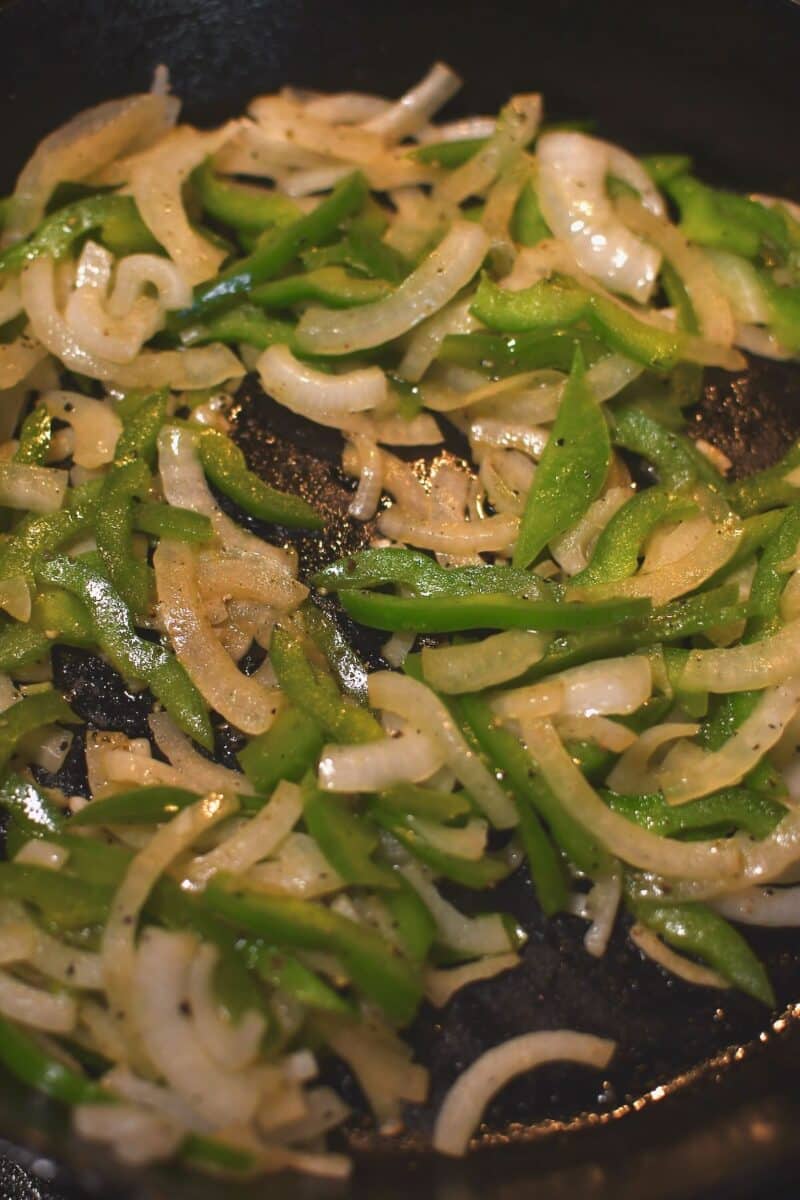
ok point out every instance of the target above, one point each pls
(756, 532)
(663, 167)
(226, 467)
(131, 655)
(22, 1055)
(310, 687)
(289, 975)
(131, 576)
(141, 429)
(532, 793)
(34, 438)
(60, 615)
(409, 799)
(765, 594)
(677, 460)
(728, 222)
(560, 302)
(421, 572)
(346, 841)
(616, 554)
(571, 471)
(141, 806)
(528, 226)
(285, 751)
(415, 927)
(276, 249)
(478, 874)
(767, 489)
(784, 304)
(446, 614)
(116, 216)
(239, 205)
(729, 809)
(170, 521)
(29, 813)
(695, 929)
(29, 714)
(65, 902)
(37, 536)
(21, 645)
(386, 978)
(448, 154)
(343, 660)
(502, 356)
(329, 285)
(246, 324)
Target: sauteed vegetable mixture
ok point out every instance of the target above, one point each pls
(590, 679)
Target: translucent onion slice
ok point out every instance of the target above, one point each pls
(138, 1136)
(95, 426)
(427, 714)
(382, 1066)
(234, 1046)
(85, 144)
(496, 534)
(55, 1012)
(375, 766)
(117, 338)
(298, 868)
(612, 685)
(513, 132)
(706, 860)
(600, 906)
(365, 503)
(315, 394)
(239, 698)
(344, 108)
(771, 906)
(18, 358)
(573, 169)
(477, 937)
(740, 282)
(442, 984)
(417, 106)
(183, 370)
(747, 666)
(427, 339)
(674, 578)
(32, 489)
(427, 289)
(123, 1083)
(156, 183)
(652, 947)
(280, 119)
(15, 597)
(254, 840)
(468, 1097)
(573, 549)
(698, 276)
(234, 577)
(118, 946)
(160, 986)
(10, 299)
(197, 773)
(478, 665)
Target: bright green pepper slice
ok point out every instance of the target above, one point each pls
(677, 461)
(413, 569)
(28, 714)
(243, 324)
(141, 806)
(478, 874)
(571, 471)
(22, 1055)
(141, 429)
(131, 576)
(170, 521)
(617, 551)
(240, 205)
(346, 841)
(116, 217)
(501, 355)
(34, 438)
(330, 286)
(729, 809)
(226, 467)
(285, 751)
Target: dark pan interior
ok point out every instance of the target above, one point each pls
(718, 80)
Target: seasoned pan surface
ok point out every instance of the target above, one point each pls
(712, 1080)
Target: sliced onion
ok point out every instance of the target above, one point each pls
(32, 489)
(298, 868)
(771, 906)
(118, 944)
(375, 766)
(465, 841)
(38, 852)
(575, 204)
(498, 533)
(760, 341)
(600, 906)
(442, 274)
(234, 1046)
(346, 108)
(156, 183)
(473, 937)
(427, 339)
(95, 426)
(185, 486)
(198, 773)
(573, 549)
(122, 1082)
(183, 370)
(500, 434)
(237, 577)
(10, 299)
(138, 1137)
(15, 597)
(281, 120)
(676, 578)
(397, 649)
(468, 1097)
(55, 1012)
(740, 282)
(493, 660)
(117, 338)
(745, 667)
(86, 143)
(513, 132)
(417, 106)
(688, 771)
(18, 359)
(426, 713)
(652, 946)
(612, 685)
(254, 840)
(380, 1062)
(160, 986)
(707, 860)
(316, 395)
(698, 276)
(442, 985)
(239, 698)
(609, 735)
(365, 503)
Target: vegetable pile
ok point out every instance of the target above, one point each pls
(594, 681)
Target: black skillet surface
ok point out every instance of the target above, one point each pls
(716, 79)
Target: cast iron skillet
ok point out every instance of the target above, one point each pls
(701, 1098)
